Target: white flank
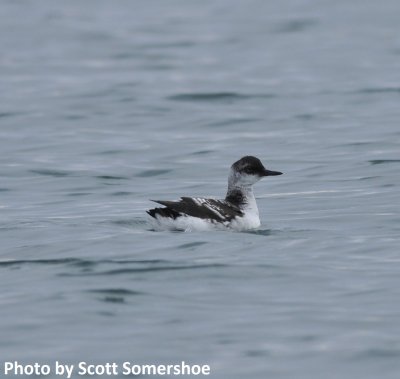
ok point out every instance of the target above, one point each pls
(186, 224)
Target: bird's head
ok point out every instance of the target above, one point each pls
(249, 170)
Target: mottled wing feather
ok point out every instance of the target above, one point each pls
(209, 209)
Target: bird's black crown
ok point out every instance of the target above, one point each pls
(249, 165)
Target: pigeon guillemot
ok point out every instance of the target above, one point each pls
(237, 211)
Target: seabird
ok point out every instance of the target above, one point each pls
(237, 211)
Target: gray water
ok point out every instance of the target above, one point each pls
(105, 105)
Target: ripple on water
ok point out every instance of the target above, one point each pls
(260, 232)
(202, 152)
(115, 291)
(378, 353)
(378, 90)
(149, 173)
(51, 172)
(130, 222)
(77, 194)
(87, 266)
(305, 116)
(61, 261)
(162, 268)
(113, 152)
(137, 267)
(10, 114)
(233, 121)
(74, 117)
(121, 193)
(114, 295)
(296, 25)
(191, 245)
(77, 262)
(111, 177)
(383, 161)
(257, 353)
(217, 96)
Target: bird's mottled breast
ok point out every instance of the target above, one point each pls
(236, 197)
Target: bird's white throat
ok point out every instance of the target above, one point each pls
(240, 191)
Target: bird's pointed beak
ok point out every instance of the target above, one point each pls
(271, 173)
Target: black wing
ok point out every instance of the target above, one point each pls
(209, 209)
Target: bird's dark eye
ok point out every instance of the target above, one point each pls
(248, 170)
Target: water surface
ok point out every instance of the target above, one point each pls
(106, 105)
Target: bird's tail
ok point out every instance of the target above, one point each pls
(163, 212)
